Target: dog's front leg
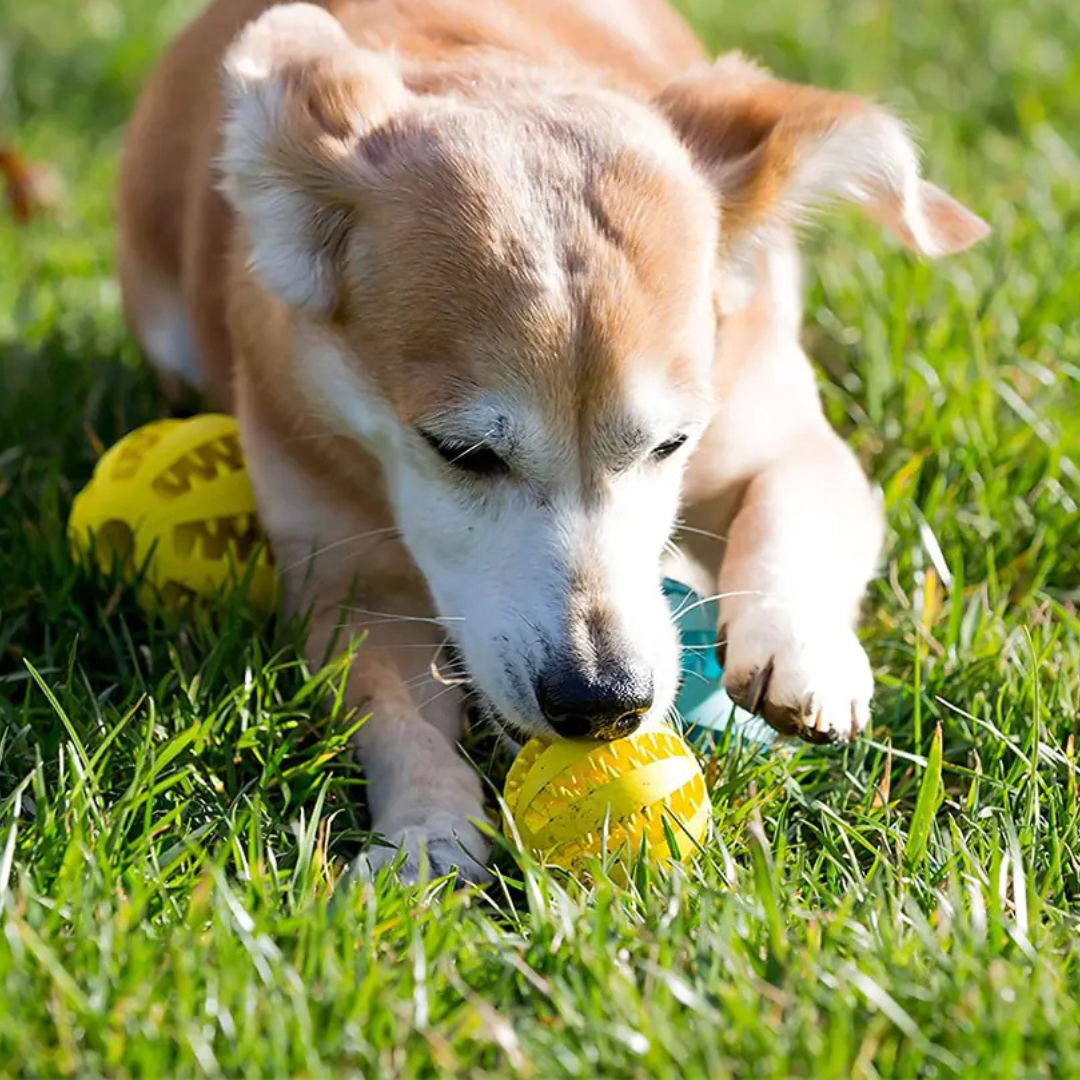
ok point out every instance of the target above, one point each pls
(800, 549)
(423, 797)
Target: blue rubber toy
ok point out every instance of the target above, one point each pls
(703, 705)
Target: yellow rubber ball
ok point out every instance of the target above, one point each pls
(562, 794)
(175, 496)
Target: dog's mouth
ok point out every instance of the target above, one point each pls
(484, 714)
(450, 668)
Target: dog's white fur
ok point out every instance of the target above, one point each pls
(376, 532)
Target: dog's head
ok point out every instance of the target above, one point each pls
(511, 299)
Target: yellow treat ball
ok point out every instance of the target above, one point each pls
(177, 493)
(560, 794)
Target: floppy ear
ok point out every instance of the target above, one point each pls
(299, 99)
(775, 151)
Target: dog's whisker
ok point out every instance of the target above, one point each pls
(435, 697)
(402, 645)
(356, 538)
(419, 681)
(702, 532)
(369, 624)
(390, 616)
(457, 677)
(698, 675)
(488, 723)
(445, 676)
(702, 600)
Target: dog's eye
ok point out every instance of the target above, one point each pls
(666, 449)
(480, 459)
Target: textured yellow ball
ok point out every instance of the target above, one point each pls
(175, 496)
(560, 794)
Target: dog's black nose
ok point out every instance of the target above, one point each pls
(605, 705)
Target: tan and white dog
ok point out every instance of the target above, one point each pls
(502, 290)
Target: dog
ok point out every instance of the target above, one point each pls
(505, 295)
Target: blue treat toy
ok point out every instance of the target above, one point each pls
(703, 705)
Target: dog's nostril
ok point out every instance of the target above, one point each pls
(618, 728)
(578, 706)
(570, 726)
(608, 728)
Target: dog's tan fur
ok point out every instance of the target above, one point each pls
(553, 228)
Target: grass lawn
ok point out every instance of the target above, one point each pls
(176, 808)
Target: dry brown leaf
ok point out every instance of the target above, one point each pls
(30, 187)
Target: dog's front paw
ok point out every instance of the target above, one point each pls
(803, 677)
(427, 850)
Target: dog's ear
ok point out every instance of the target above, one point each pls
(300, 98)
(775, 151)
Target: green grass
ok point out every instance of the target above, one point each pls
(175, 805)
